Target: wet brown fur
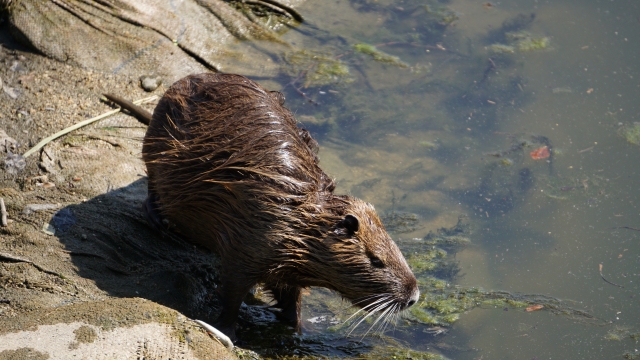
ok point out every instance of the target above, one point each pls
(229, 169)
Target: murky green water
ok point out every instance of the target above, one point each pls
(446, 129)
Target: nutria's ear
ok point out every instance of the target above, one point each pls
(350, 223)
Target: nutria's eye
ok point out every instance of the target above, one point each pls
(376, 262)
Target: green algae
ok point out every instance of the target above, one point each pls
(502, 49)
(520, 41)
(612, 336)
(506, 162)
(426, 261)
(396, 353)
(533, 44)
(379, 56)
(317, 68)
(428, 144)
(631, 133)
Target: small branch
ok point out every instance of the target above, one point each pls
(607, 281)
(3, 211)
(293, 85)
(47, 140)
(305, 96)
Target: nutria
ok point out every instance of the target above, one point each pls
(230, 170)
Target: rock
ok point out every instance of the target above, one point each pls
(149, 82)
(38, 207)
(7, 143)
(14, 163)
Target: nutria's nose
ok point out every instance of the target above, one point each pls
(414, 297)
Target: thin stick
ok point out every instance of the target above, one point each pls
(47, 140)
(607, 281)
(3, 210)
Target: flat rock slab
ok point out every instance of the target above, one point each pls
(110, 329)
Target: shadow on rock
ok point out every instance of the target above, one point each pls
(111, 244)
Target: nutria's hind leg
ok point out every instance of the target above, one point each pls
(289, 299)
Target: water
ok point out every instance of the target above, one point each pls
(418, 138)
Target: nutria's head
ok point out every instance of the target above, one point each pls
(357, 258)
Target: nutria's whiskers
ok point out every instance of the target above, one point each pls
(383, 315)
(378, 306)
(383, 297)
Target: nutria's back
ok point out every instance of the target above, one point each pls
(229, 169)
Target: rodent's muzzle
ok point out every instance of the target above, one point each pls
(415, 296)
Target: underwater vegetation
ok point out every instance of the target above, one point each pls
(317, 68)
(398, 353)
(521, 41)
(399, 222)
(379, 56)
(631, 133)
(511, 26)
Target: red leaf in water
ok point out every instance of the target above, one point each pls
(541, 153)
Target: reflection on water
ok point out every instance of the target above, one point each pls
(432, 112)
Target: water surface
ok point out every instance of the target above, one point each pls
(419, 136)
